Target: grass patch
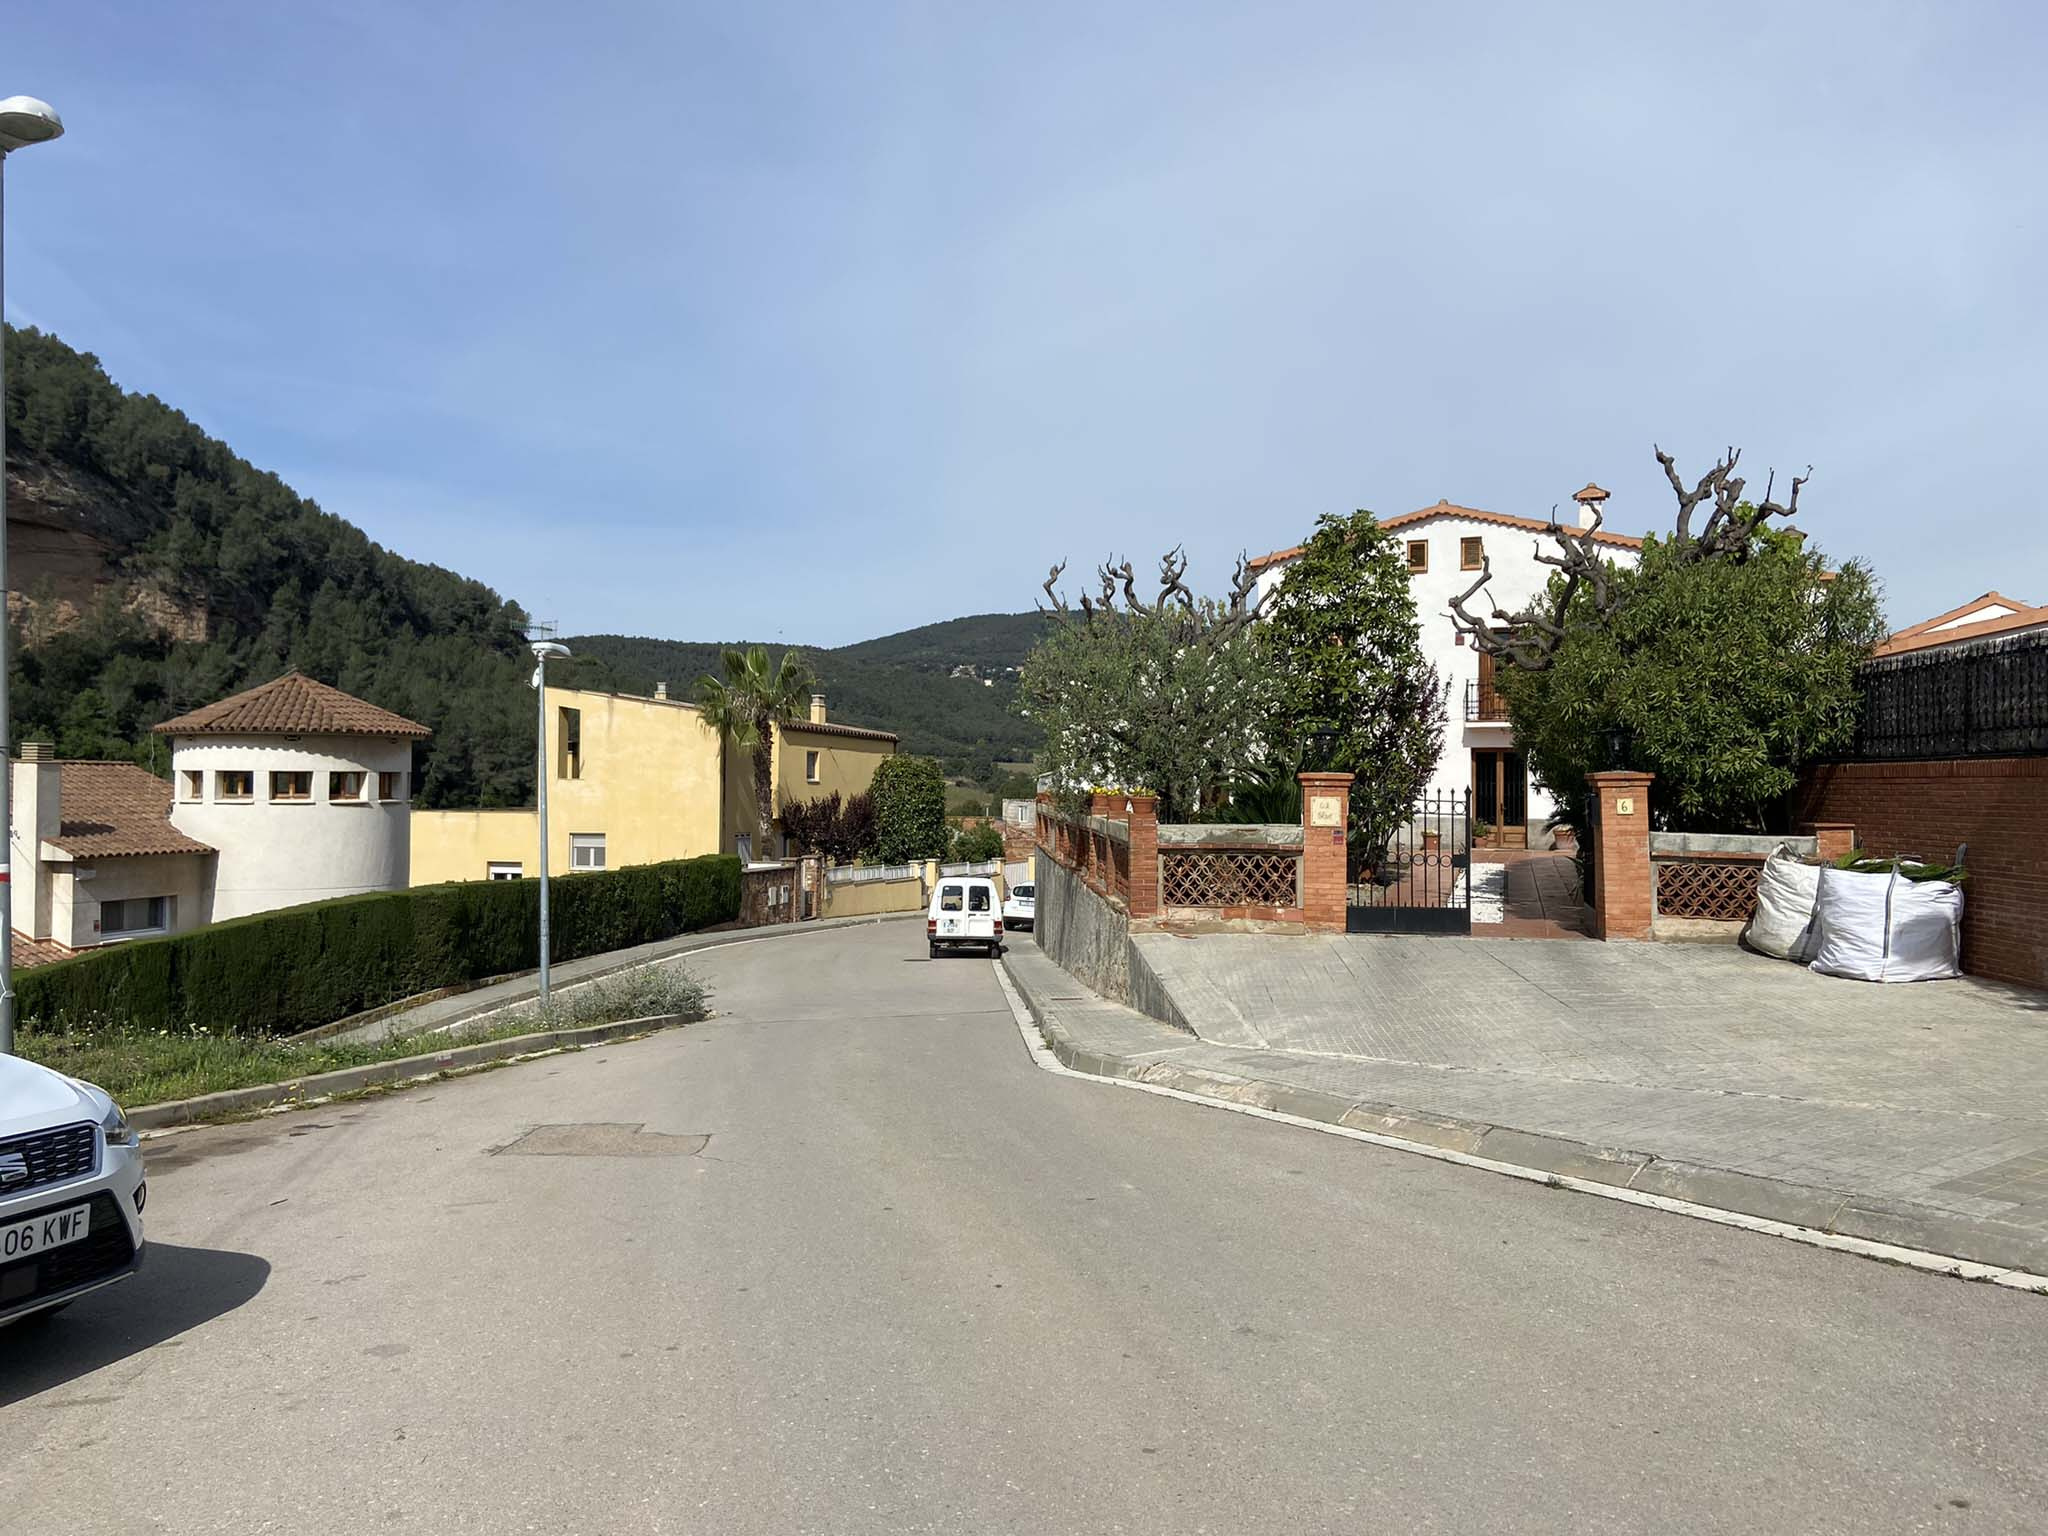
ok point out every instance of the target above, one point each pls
(141, 1067)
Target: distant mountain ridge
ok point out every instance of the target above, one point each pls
(948, 690)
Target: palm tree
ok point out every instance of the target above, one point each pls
(744, 706)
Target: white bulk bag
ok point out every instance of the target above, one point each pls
(1784, 923)
(1927, 931)
(1884, 927)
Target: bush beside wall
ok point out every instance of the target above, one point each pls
(281, 972)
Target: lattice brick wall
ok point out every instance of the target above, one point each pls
(1227, 878)
(1721, 890)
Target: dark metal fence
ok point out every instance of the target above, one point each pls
(1421, 882)
(1985, 698)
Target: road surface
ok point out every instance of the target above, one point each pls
(843, 1260)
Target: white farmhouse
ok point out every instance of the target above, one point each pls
(1445, 545)
(304, 790)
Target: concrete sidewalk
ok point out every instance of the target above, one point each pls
(1916, 1116)
(447, 1013)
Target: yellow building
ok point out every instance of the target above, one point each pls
(637, 780)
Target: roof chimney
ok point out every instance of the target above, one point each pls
(1590, 504)
(37, 783)
(661, 690)
(817, 709)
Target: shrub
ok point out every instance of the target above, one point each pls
(281, 972)
(910, 809)
(976, 845)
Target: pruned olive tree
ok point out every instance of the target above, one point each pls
(1723, 662)
(1170, 694)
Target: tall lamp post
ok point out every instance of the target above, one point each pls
(23, 121)
(542, 651)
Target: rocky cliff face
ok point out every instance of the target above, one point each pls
(69, 535)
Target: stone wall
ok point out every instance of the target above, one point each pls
(1086, 933)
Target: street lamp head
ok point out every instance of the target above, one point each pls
(546, 650)
(25, 120)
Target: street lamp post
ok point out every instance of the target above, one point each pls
(23, 121)
(542, 650)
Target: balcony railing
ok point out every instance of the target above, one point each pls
(1484, 703)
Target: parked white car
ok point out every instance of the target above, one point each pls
(1020, 907)
(71, 1191)
(966, 913)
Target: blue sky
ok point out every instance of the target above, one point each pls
(822, 321)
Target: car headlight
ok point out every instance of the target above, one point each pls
(114, 1125)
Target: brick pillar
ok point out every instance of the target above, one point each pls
(1834, 838)
(1143, 900)
(1325, 820)
(1622, 907)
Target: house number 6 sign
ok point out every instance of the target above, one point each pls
(1325, 811)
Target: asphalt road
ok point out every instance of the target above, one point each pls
(912, 1283)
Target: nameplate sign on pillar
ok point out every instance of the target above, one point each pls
(1325, 811)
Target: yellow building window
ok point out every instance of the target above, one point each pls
(811, 767)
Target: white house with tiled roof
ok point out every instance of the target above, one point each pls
(1445, 546)
(287, 793)
(303, 789)
(1994, 616)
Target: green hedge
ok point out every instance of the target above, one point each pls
(281, 972)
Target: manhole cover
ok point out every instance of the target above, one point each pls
(602, 1139)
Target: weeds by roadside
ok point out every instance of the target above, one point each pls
(149, 1067)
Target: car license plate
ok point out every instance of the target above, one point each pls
(949, 925)
(41, 1233)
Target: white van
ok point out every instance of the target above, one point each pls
(967, 913)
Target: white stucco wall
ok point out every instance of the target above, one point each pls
(78, 889)
(283, 853)
(1517, 578)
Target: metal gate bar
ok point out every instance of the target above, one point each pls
(1421, 882)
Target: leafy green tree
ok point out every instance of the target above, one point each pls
(910, 809)
(745, 706)
(976, 845)
(1347, 661)
(1722, 677)
(1724, 662)
(1171, 695)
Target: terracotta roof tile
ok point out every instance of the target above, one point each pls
(1921, 638)
(293, 705)
(834, 728)
(30, 952)
(115, 810)
(1474, 514)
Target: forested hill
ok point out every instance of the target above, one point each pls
(156, 571)
(903, 683)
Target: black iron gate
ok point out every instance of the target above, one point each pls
(1421, 882)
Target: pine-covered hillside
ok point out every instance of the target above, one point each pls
(154, 571)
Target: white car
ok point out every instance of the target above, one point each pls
(71, 1191)
(1020, 909)
(965, 913)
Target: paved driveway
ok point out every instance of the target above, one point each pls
(911, 1283)
(1935, 1093)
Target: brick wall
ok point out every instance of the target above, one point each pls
(1995, 805)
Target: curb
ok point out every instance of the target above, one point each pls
(262, 1096)
(1982, 1241)
(713, 938)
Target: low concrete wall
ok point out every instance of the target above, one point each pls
(873, 898)
(1729, 844)
(1087, 934)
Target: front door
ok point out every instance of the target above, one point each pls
(1500, 798)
